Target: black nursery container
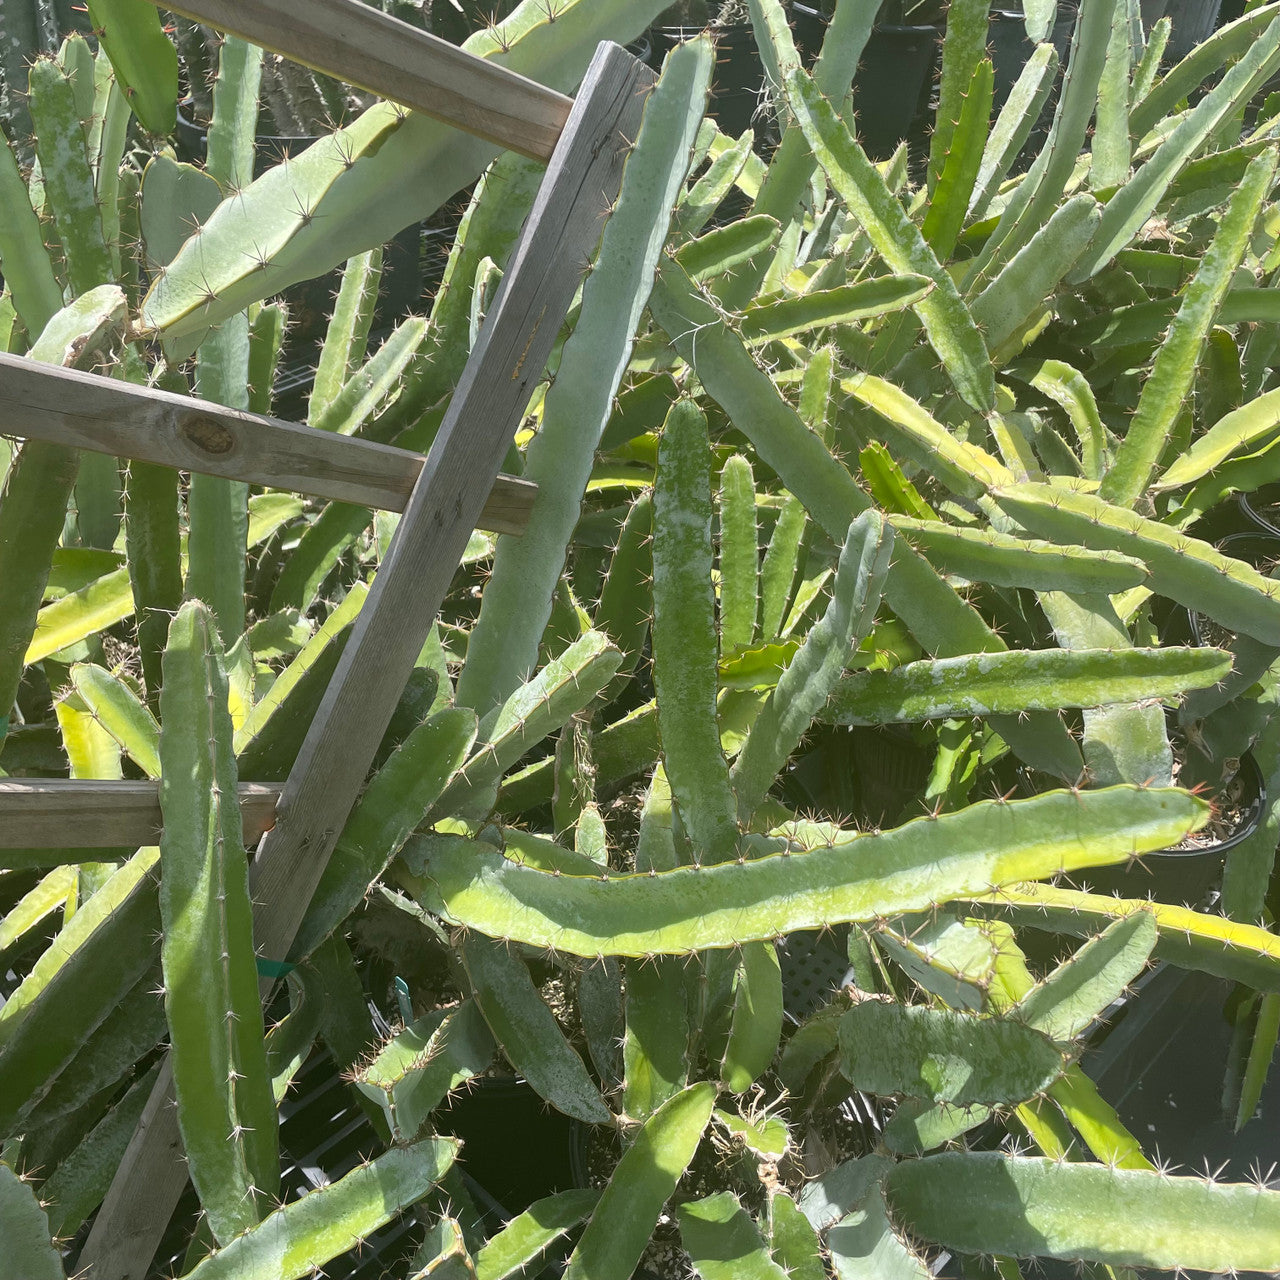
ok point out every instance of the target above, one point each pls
(738, 83)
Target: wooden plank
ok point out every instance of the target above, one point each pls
(84, 411)
(360, 45)
(70, 813)
(559, 236)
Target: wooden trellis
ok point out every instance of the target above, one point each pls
(443, 496)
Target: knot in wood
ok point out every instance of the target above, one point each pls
(209, 435)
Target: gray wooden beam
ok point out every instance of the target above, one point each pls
(84, 411)
(71, 813)
(362, 46)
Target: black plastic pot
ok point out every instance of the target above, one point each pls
(738, 82)
(891, 90)
(514, 1145)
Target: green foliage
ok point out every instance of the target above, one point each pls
(866, 492)
(225, 1110)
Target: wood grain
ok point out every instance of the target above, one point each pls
(360, 45)
(84, 411)
(69, 813)
(508, 359)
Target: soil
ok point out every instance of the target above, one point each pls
(1228, 816)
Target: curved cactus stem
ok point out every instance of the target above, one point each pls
(559, 691)
(502, 649)
(655, 1045)
(81, 932)
(55, 891)
(91, 751)
(867, 1239)
(36, 489)
(76, 1187)
(723, 1242)
(28, 1244)
(1024, 286)
(684, 636)
(1096, 1121)
(893, 492)
(963, 49)
(1135, 202)
(792, 1241)
(29, 275)
(290, 698)
(416, 1070)
(600, 1004)
(324, 1224)
(622, 612)
(691, 908)
(947, 322)
(1188, 939)
(720, 251)
(75, 617)
(1020, 680)
(374, 385)
(775, 318)
(961, 152)
(1068, 388)
(779, 566)
(289, 1043)
(640, 1185)
(1111, 152)
(1071, 998)
(74, 988)
(944, 1056)
(395, 801)
(756, 1026)
(133, 1027)
(528, 1033)
(362, 185)
(68, 179)
(346, 336)
(443, 1255)
(1182, 568)
(143, 57)
(700, 200)
(225, 1108)
(739, 554)
(985, 555)
(115, 706)
(990, 1203)
(966, 469)
(1251, 425)
(1173, 375)
(805, 686)
(321, 544)
(1013, 126)
(1225, 46)
(950, 958)
(532, 1232)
